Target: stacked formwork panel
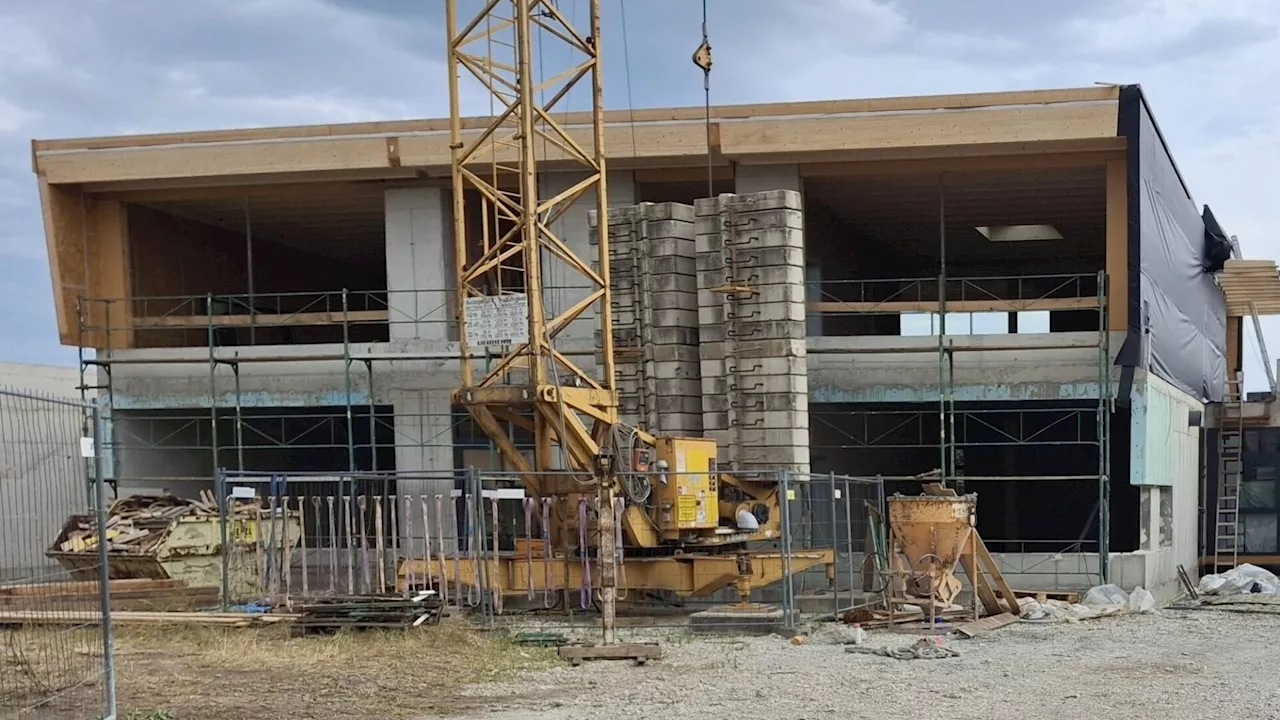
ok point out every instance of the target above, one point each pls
(655, 317)
(751, 313)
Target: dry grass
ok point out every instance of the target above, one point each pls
(188, 673)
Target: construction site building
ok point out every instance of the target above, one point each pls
(1007, 290)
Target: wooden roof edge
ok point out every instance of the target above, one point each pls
(919, 103)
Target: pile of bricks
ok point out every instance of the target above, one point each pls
(655, 317)
(751, 317)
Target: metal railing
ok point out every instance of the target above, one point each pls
(1002, 293)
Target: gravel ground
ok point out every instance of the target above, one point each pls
(1173, 664)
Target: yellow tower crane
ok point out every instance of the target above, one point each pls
(503, 238)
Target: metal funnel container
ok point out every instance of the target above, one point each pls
(932, 532)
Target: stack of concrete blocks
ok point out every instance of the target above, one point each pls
(655, 317)
(751, 314)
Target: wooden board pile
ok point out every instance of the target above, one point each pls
(126, 594)
(136, 524)
(367, 612)
(93, 617)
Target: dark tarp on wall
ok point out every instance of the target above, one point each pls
(1177, 304)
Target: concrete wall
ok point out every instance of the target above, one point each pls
(763, 178)
(53, 379)
(43, 479)
(866, 369)
(1165, 462)
(420, 257)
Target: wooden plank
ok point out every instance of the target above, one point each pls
(826, 134)
(135, 617)
(1264, 560)
(889, 307)
(984, 557)
(1235, 327)
(193, 160)
(776, 136)
(262, 320)
(639, 115)
(1117, 244)
(83, 587)
(640, 652)
(65, 240)
(109, 271)
(1069, 596)
(990, 603)
(986, 624)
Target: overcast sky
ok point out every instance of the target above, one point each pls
(96, 67)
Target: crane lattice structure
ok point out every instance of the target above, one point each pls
(500, 265)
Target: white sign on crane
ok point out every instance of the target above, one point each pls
(497, 319)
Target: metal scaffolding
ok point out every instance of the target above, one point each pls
(962, 426)
(351, 430)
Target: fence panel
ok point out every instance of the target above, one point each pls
(293, 536)
(55, 651)
(830, 512)
(517, 560)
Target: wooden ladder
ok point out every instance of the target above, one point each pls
(1226, 547)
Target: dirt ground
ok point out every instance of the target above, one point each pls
(1175, 664)
(1172, 665)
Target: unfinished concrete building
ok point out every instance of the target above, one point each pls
(1012, 291)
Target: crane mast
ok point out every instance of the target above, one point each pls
(602, 483)
(501, 251)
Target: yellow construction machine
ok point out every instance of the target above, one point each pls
(687, 527)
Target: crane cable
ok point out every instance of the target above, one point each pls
(702, 58)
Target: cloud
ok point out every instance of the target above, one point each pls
(94, 67)
(1158, 29)
(22, 248)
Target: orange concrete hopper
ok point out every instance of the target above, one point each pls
(932, 532)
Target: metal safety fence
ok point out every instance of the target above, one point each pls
(523, 549)
(55, 630)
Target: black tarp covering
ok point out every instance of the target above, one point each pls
(1217, 246)
(1178, 306)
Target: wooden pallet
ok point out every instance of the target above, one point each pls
(363, 612)
(1067, 596)
(639, 652)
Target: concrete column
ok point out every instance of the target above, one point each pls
(419, 263)
(763, 178)
(424, 457)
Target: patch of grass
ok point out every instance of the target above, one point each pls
(150, 715)
(178, 672)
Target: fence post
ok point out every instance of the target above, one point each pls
(220, 492)
(835, 548)
(788, 588)
(104, 569)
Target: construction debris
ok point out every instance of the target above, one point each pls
(1100, 601)
(1244, 579)
(922, 649)
(364, 612)
(994, 622)
(125, 594)
(138, 522)
(91, 617)
(838, 634)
